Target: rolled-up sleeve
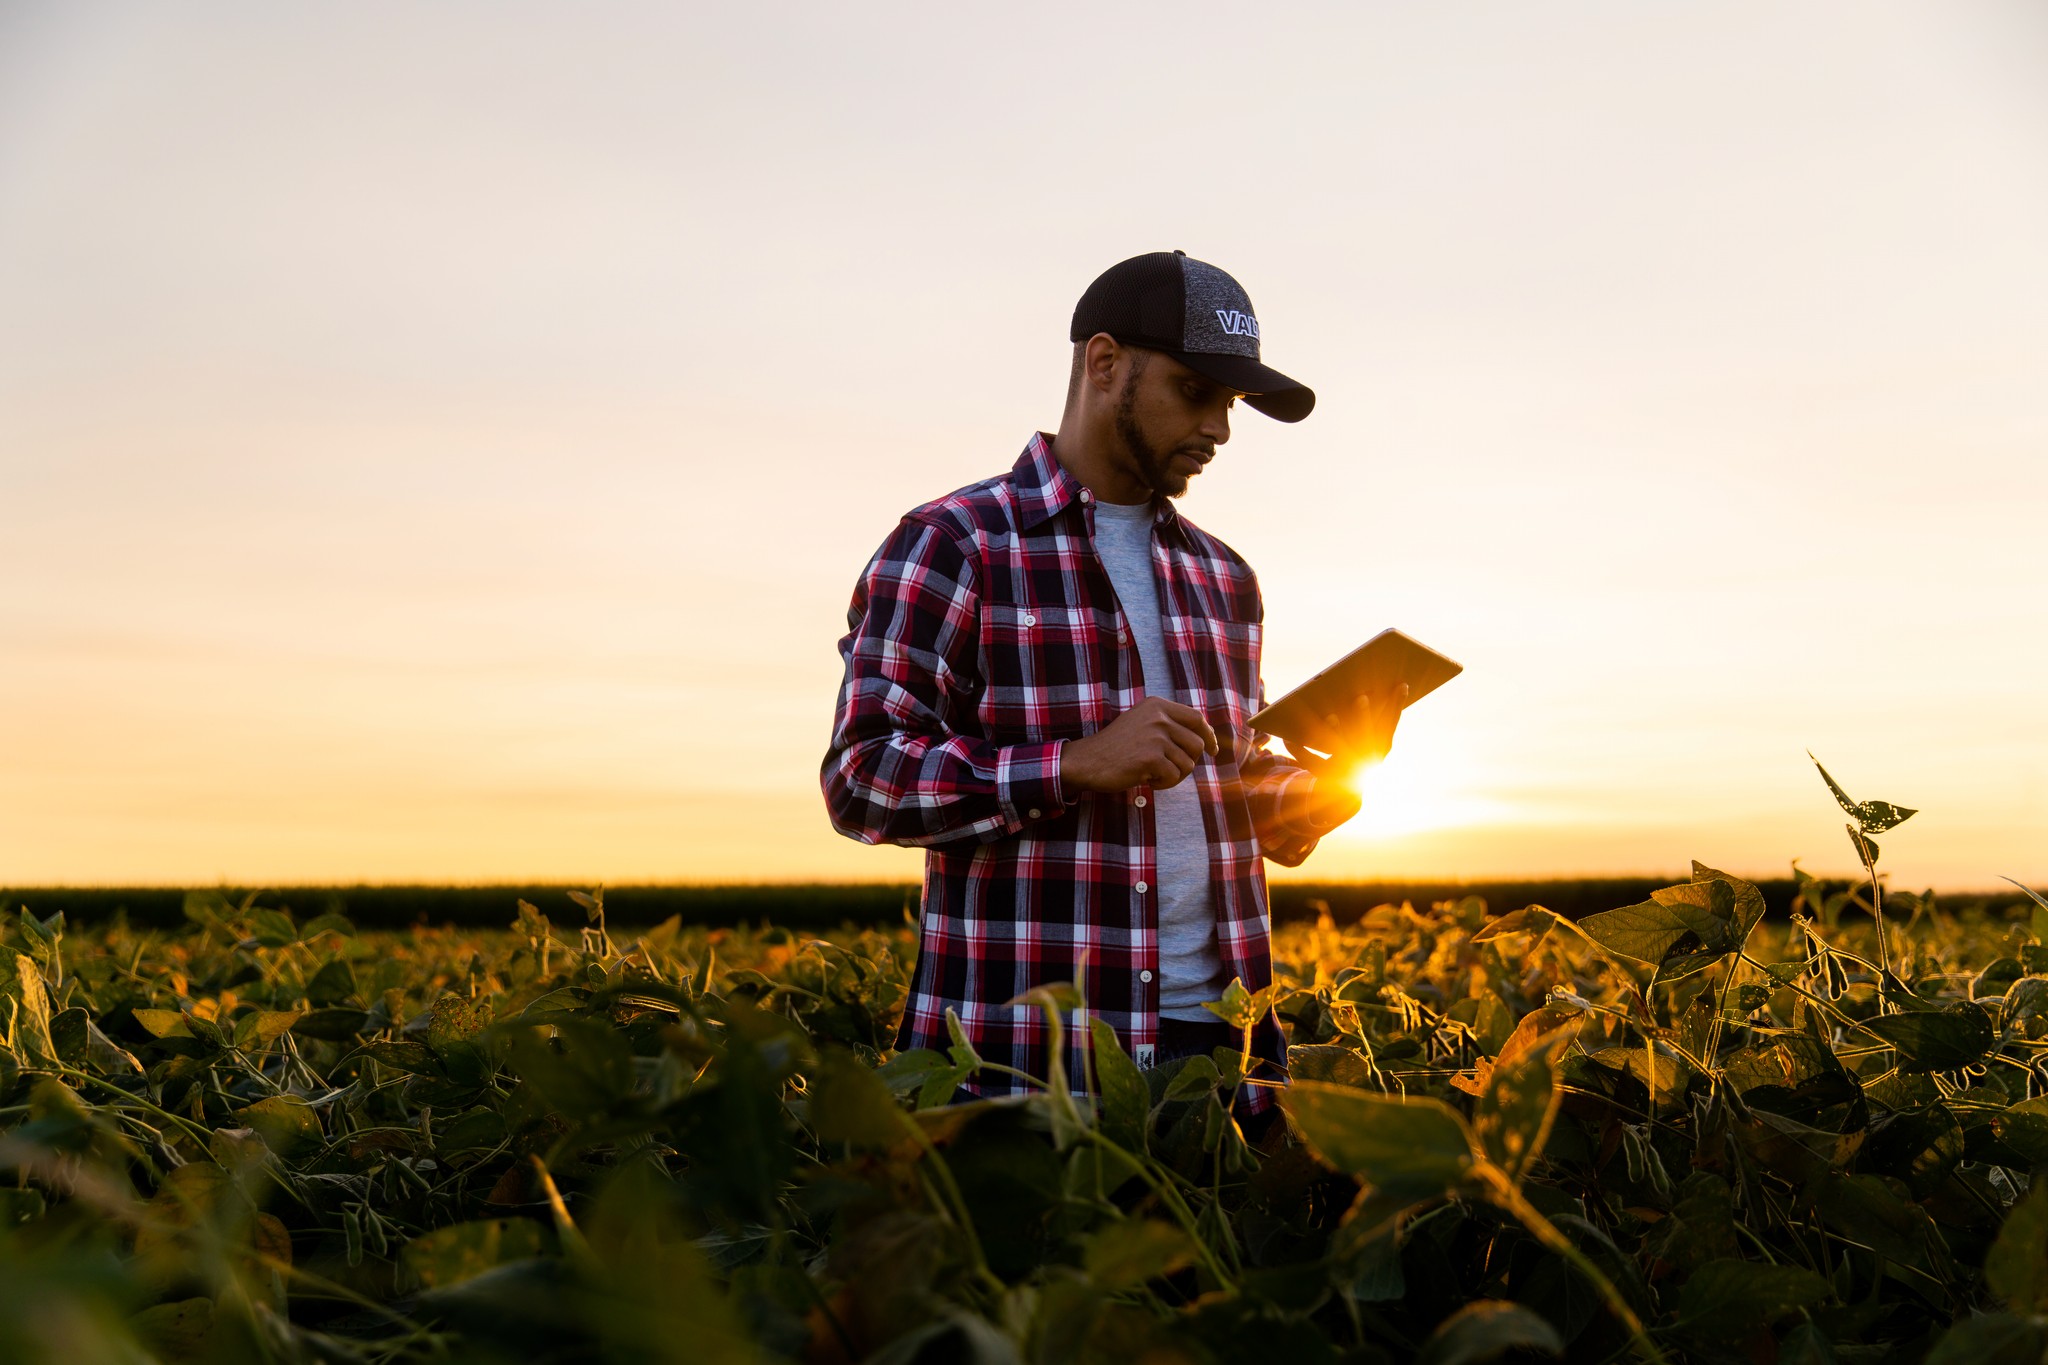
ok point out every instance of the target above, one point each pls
(907, 765)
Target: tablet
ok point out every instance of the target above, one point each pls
(1375, 668)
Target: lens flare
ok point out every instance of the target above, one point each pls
(1427, 783)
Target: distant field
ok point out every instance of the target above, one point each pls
(824, 904)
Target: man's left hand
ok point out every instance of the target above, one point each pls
(1353, 743)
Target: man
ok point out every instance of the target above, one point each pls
(1049, 679)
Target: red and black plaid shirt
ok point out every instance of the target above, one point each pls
(983, 635)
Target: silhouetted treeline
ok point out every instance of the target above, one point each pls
(824, 905)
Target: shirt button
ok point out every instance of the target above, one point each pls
(1030, 620)
(1087, 496)
(1141, 800)
(1034, 812)
(1144, 976)
(1142, 888)
(1123, 637)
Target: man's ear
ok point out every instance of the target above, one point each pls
(1099, 362)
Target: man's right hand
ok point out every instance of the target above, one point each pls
(1156, 743)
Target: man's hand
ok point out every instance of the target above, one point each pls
(1353, 743)
(1156, 743)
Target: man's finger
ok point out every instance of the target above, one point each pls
(1191, 718)
(1186, 739)
(1317, 734)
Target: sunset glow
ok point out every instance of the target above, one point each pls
(1426, 784)
(444, 450)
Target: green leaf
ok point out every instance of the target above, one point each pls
(108, 1056)
(1871, 1211)
(25, 1004)
(207, 1031)
(1488, 1328)
(1236, 1007)
(851, 1104)
(1676, 922)
(2025, 999)
(176, 1331)
(1919, 1146)
(2016, 1267)
(1871, 817)
(332, 1025)
(2024, 1128)
(1645, 931)
(1748, 905)
(1489, 1018)
(909, 1070)
(469, 1131)
(1331, 1062)
(1409, 1148)
(260, 1028)
(1991, 1339)
(285, 1123)
(42, 939)
(333, 984)
(1513, 1118)
(1530, 919)
(1728, 1298)
(1125, 1098)
(1937, 1040)
(1125, 1255)
(1194, 1078)
(584, 1071)
(68, 1034)
(456, 1035)
(414, 1059)
(455, 1019)
(942, 1085)
(462, 1251)
(272, 928)
(1794, 1150)
(330, 923)
(1878, 816)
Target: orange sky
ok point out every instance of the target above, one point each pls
(439, 443)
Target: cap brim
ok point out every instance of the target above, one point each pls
(1265, 389)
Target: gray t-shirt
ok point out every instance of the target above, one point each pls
(1190, 971)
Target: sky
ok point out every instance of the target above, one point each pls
(440, 442)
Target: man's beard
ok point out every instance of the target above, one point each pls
(1157, 469)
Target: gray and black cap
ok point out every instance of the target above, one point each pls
(1169, 301)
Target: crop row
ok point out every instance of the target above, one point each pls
(1670, 1130)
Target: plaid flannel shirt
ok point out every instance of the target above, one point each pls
(982, 636)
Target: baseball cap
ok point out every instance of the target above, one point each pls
(1169, 301)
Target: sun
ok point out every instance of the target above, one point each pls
(1428, 783)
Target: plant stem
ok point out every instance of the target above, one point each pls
(1884, 947)
(1503, 1192)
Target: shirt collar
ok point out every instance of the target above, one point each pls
(1045, 489)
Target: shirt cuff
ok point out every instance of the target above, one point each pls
(1028, 782)
(1291, 804)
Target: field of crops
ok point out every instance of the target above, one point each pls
(1675, 1130)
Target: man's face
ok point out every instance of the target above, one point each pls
(1170, 420)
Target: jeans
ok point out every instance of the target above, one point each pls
(1185, 1038)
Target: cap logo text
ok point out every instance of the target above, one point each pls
(1238, 323)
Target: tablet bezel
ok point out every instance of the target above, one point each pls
(1380, 664)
